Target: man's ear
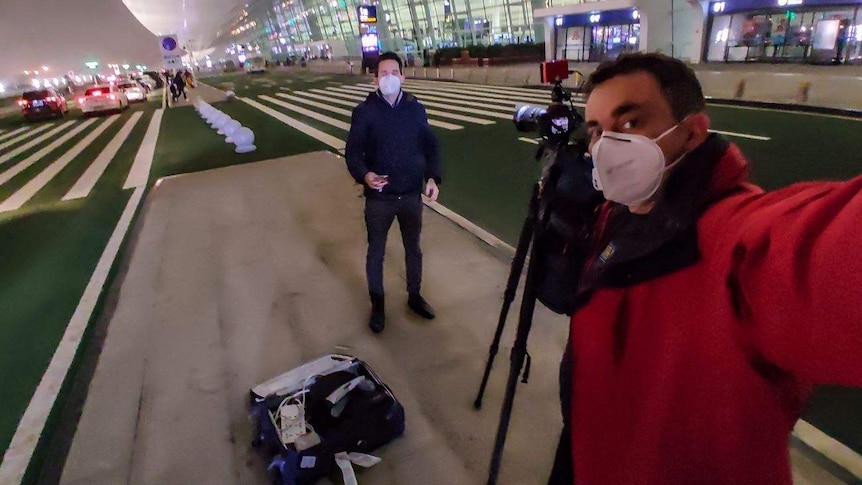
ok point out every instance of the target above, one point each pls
(698, 129)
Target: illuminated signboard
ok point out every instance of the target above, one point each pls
(367, 14)
(368, 38)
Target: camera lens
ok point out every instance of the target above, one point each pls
(527, 117)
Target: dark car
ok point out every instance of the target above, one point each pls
(43, 103)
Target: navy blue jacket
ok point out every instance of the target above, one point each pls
(395, 141)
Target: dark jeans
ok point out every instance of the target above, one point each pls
(379, 215)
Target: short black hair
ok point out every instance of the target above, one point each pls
(678, 82)
(388, 56)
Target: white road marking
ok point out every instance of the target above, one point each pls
(13, 133)
(479, 87)
(88, 180)
(140, 172)
(448, 106)
(432, 122)
(29, 161)
(442, 114)
(742, 135)
(529, 140)
(457, 88)
(487, 97)
(309, 130)
(307, 112)
(355, 100)
(20, 451)
(829, 447)
(37, 183)
(31, 143)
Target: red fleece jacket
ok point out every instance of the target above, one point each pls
(698, 376)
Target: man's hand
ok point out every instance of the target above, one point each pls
(431, 190)
(376, 182)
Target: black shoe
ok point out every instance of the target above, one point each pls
(378, 314)
(420, 307)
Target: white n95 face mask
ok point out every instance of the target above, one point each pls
(629, 168)
(389, 85)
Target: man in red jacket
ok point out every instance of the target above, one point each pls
(709, 307)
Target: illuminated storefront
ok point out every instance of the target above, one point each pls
(810, 31)
(596, 36)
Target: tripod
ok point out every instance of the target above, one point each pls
(525, 322)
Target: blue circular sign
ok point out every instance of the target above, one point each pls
(169, 43)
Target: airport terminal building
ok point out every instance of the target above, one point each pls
(787, 31)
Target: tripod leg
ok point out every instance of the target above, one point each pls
(511, 287)
(519, 351)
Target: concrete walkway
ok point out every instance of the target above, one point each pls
(207, 93)
(241, 273)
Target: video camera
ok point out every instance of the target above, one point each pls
(558, 121)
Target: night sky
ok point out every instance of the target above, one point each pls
(62, 34)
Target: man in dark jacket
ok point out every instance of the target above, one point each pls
(708, 307)
(392, 151)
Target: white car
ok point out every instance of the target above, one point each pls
(103, 98)
(133, 91)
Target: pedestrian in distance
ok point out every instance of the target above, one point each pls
(393, 153)
(708, 307)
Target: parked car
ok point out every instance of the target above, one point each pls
(133, 90)
(103, 98)
(42, 103)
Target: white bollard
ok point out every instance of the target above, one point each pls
(244, 140)
(231, 129)
(222, 123)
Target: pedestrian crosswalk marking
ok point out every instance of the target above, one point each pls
(311, 114)
(431, 96)
(499, 97)
(309, 130)
(329, 99)
(13, 133)
(446, 106)
(32, 159)
(442, 114)
(341, 111)
(466, 89)
(492, 103)
(25, 193)
(478, 87)
(40, 139)
(88, 180)
(140, 172)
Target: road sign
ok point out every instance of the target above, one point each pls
(172, 54)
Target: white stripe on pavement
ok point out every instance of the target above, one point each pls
(529, 140)
(13, 133)
(326, 138)
(88, 180)
(441, 114)
(443, 98)
(447, 106)
(307, 112)
(140, 173)
(31, 143)
(341, 111)
(37, 183)
(29, 161)
(355, 100)
(20, 451)
(479, 87)
(473, 99)
(467, 89)
(742, 135)
(432, 122)
(489, 95)
(829, 447)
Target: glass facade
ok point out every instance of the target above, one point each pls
(281, 29)
(596, 36)
(784, 31)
